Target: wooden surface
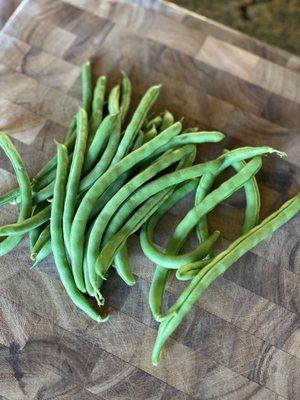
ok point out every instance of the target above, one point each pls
(242, 340)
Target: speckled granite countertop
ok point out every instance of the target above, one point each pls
(273, 21)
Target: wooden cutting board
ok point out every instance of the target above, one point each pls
(242, 340)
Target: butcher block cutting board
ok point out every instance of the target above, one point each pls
(242, 339)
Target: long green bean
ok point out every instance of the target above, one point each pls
(251, 193)
(97, 146)
(191, 219)
(57, 242)
(136, 122)
(73, 182)
(218, 266)
(106, 158)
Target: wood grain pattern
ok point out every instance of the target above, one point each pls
(242, 339)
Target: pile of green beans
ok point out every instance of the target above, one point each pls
(119, 173)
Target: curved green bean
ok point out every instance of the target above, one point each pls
(191, 219)
(172, 261)
(218, 266)
(251, 192)
(122, 266)
(9, 149)
(189, 271)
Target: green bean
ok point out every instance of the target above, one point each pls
(161, 274)
(183, 139)
(97, 107)
(191, 219)
(44, 194)
(150, 134)
(44, 181)
(25, 225)
(114, 100)
(96, 148)
(251, 192)
(189, 271)
(107, 195)
(167, 120)
(123, 266)
(218, 266)
(43, 238)
(156, 122)
(87, 282)
(106, 158)
(35, 233)
(73, 184)
(87, 92)
(191, 129)
(120, 197)
(252, 200)
(122, 263)
(9, 149)
(125, 95)
(57, 242)
(9, 196)
(169, 260)
(101, 184)
(136, 122)
(138, 142)
(43, 253)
